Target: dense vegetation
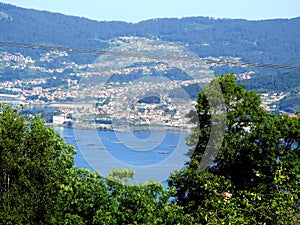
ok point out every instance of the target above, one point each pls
(290, 103)
(247, 174)
(284, 82)
(271, 41)
(40, 185)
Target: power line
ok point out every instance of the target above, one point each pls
(143, 55)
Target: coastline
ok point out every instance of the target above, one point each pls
(122, 129)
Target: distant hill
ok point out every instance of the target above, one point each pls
(285, 82)
(288, 83)
(290, 103)
(267, 41)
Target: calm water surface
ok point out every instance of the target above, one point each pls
(151, 154)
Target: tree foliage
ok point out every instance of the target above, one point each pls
(33, 161)
(40, 185)
(254, 178)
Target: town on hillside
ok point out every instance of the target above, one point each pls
(125, 88)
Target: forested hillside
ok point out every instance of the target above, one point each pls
(285, 83)
(268, 41)
(275, 83)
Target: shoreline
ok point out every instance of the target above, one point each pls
(125, 129)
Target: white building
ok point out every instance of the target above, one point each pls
(58, 120)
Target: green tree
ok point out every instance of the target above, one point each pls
(83, 193)
(33, 161)
(88, 198)
(121, 175)
(40, 185)
(254, 177)
(146, 203)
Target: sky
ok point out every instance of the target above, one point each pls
(138, 10)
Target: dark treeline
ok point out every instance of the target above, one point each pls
(284, 82)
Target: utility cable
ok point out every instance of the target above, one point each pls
(143, 55)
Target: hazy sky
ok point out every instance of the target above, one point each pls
(137, 10)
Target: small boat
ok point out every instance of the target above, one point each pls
(68, 137)
(163, 152)
(173, 146)
(119, 142)
(101, 148)
(90, 144)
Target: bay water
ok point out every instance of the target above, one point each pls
(151, 154)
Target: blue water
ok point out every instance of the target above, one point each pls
(151, 154)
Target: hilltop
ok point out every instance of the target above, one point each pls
(266, 41)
